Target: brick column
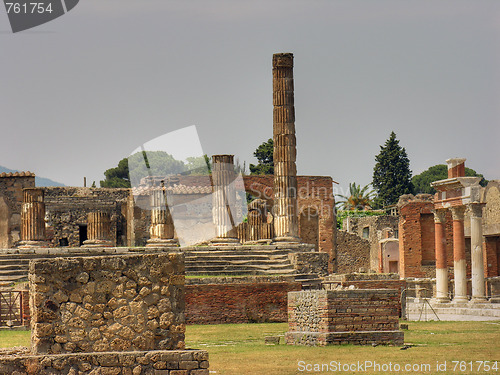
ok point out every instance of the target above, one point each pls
(224, 198)
(477, 260)
(98, 230)
(459, 265)
(161, 230)
(286, 226)
(33, 219)
(441, 258)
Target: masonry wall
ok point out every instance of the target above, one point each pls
(107, 303)
(353, 252)
(375, 225)
(67, 209)
(238, 300)
(11, 199)
(323, 317)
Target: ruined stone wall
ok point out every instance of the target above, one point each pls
(322, 317)
(11, 199)
(375, 225)
(352, 251)
(67, 209)
(107, 303)
(491, 211)
(172, 362)
(238, 300)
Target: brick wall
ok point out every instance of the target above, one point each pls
(324, 317)
(247, 300)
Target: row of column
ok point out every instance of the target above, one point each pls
(459, 261)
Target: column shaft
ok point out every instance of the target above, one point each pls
(441, 257)
(161, 230)
(477, 261)
(224, 200)
(33, 219)
(98, 230)
(459, 262)
(286, 226)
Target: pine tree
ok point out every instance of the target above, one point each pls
(264, 154)
(392, 174)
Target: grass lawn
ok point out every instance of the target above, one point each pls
(239, 349)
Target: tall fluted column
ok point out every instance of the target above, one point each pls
(477, 261)
(224, 198)
(162, 225)
(286, 226)
(33, 219)
(98, 230)
(441, 256)
(459, 265)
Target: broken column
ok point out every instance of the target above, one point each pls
(441, 256)
(162, 225)
(477, 261)
(459, 262)
(286, 226)
(224, 200)
(98, 230)
(33, 219)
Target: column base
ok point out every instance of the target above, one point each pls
(440, 300)
(32, 244)
(221, 241)
(160, 242)
(285, 240)
(460, 299)
(479, 300)
(97, 243)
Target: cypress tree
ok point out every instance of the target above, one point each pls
(392, 174)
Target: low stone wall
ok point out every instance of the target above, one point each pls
(310, 262)
(158, 362)
(238, 300)
(322, 317)
(107, 303)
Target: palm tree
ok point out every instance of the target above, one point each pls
(359, 198)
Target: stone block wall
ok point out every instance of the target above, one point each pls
(309, 262)
(107, 303)
(67, 209)
(238, 300)
(322, 317)
(158, 362)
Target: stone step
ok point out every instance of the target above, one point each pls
(200, 267)
(217, 253)
(236, 272)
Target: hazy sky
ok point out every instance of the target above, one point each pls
(81, 92)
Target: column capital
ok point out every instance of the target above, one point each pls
(458, 212)
(476, 209)
(439, 215)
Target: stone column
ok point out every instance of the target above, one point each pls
(33, 219)
(441, 257)
(98, 230)
(223, 199)
(162, 225)
(286, 226)
(459, 265)
(477, 261)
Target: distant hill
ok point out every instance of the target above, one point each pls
(39, 181)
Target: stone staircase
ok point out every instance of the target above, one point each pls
(199, 262)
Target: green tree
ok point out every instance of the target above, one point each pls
(359, 198)
(422, 181)
(392, 174)
(117, 177)
(264, 154)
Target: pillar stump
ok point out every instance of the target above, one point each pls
(223, 199)
(162, 225)
(286, 226)
(33, 219)
(459, 262)
(98, 230)
(477, 260)
(441, 257)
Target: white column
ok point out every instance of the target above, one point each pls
(477, 261)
